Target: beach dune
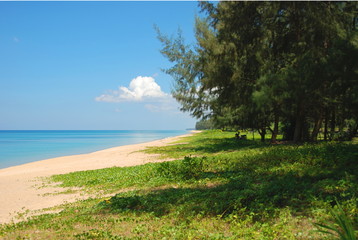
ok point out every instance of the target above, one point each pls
(21, 186)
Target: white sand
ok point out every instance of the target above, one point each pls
(19, 185)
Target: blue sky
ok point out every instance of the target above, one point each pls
(89, 65)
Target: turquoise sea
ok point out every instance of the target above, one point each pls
(19, 147)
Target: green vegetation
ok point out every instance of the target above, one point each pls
(342, 229)
(205, 124)
(222, 188)
(272, 67)
(262, 64)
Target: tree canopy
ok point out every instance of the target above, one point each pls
(262, 65)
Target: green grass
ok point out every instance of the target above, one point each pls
(342, 228)
(207, 143)
(220, 188)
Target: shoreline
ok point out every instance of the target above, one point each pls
(20, 191)
(111, 139)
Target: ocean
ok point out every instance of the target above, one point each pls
(23, 146)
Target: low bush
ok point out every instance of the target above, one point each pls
(229, 190)
(188, 168)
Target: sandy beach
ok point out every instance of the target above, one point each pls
(21, 190)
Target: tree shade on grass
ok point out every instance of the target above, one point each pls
(229, 190)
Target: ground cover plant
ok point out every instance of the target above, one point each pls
(220, 188)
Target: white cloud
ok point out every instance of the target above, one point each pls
(146, 90)
(15, 39)
(140, 89)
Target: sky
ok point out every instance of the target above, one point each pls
(89, 65)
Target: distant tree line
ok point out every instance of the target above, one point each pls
(262, 65)
(205, 124)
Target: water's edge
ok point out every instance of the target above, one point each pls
(19, 147)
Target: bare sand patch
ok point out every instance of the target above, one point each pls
(20, 186)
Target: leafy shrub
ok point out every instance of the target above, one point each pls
(341, 228)
(188, 168)
(97, 234)
(191, 167)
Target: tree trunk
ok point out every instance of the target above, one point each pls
(352, 132)
(325, 125)
(275, 129)
(333, 124)
(317, 127)
(262, 134)
(297, 137)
